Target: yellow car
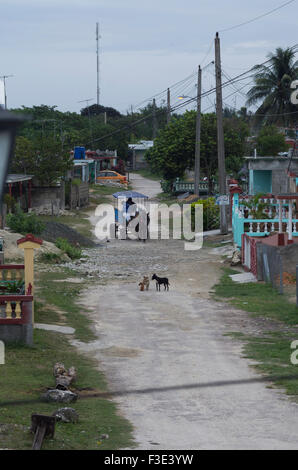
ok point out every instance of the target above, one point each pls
(110, 175)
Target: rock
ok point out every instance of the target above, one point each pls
(104, 436)
(66, 415)
(60, 396)
(64, 377)
(236, 258)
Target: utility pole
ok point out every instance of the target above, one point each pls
(154, 119)
(198, 134)
(168, 106)
(220, 138)
(97, 62)
(4, 77)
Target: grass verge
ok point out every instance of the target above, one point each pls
(63, 296)
(26, 376)
(28, 373)
(270, 349)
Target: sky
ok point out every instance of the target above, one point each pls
(49, 47)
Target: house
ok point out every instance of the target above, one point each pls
(87, 163)
(85, 170)
(105, 159)
(19, 187)
(269, 175)
(138, 153)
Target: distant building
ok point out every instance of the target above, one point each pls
(270, 175)
(138, 153)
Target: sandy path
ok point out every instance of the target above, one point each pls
(160, 349)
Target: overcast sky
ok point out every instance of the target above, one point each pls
(49, 46)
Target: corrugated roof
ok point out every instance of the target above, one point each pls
(16, 178)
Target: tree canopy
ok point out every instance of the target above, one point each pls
(174, 148)
(270, 141)
(272, 87)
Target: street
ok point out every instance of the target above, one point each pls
(163, 353)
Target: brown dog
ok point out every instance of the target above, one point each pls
(146, 282)
(141, 286)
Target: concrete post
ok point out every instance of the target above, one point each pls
(290, 221)
(29, 244)
(280, 216)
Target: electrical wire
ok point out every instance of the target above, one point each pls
(236, 79)
(257, 17)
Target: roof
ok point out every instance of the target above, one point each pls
(30, 238)
(142, 145)
(16, 178)
(127, 194)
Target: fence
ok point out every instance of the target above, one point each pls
(270, 265)
(79, 195)
(244, 222)
(16, 318)
(11, 272)
(183, 186)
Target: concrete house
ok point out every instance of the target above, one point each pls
(270, 174)
(138, 153)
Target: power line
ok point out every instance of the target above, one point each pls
(236, 79)
(257, 17)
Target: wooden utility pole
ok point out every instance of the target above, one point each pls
(168, 106)
(198, 134)
(154, 119)
(220, 138)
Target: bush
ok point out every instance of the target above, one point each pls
(25, 223)
(211, 213)
(72, 251)
(166, 186)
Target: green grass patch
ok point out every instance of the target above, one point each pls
(68, 248)
(64, 296)
(26, 375)
(257, 298)
(147, 173)
(270, 349)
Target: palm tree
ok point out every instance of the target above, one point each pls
(273, 87)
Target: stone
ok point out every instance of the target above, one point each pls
(104, 436)
(66, 415)
(60, 396)
(236, 258)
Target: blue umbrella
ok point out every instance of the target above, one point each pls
(132, 194)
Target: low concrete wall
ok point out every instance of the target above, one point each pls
(17, 330)
(49, 198)
(279, 258)
(17, 334)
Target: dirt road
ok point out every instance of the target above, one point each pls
(165, 352)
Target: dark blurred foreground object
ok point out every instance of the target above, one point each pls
(8, 126)
(42, 426)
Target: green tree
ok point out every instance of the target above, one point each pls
(174, 148)
(270, 141)
(42, 158)
(272, 88)
(22, 161)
